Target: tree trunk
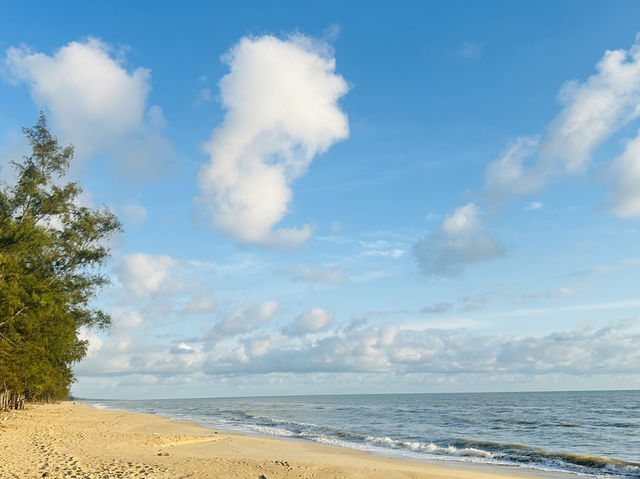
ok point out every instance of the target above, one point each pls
(10, 400)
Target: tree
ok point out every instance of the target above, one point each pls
(51, 250)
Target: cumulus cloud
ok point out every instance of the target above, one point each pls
(93, 341)
(595, 109)
(592, 112)
(312, 321)
(246, 319)
(95, 103)
(281, 101)
(200, 301)
(144, 274)
(309, 274)
(159, 287)
(460, 240)
(398, 350)
(122, 357)
(124, 320)
(389, 349)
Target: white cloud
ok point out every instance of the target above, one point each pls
(582, 350)
(417, 347)
(312, 321)
(508, 176)
(94, 343)
(281, 98)
(246, 319)
(595, 109)
(159, 287)
(200, 303)
(95, 103)
(144, 274)
(308, 274)
(463, 219)
(626, 185)
(126, 319)
(121, 357)
(592, 112)
(461, 239)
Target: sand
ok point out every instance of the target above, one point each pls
(69, 440)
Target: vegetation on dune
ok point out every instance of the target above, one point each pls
(51, 248)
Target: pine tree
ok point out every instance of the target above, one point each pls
(51, 249)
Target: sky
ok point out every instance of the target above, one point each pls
(326, 198)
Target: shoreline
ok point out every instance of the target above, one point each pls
(75, 440)
(376, 451)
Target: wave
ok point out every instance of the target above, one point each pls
(272, 431)
(473, 451)
(520, 453)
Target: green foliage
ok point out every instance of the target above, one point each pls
(51, 249)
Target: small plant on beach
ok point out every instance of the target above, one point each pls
(51, 248)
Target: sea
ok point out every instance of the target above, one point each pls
(593, 433)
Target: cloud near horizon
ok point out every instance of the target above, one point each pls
(312, 321)
(95, 103)
(583, 350)
(281, 101)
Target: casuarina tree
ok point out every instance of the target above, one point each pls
(51, 252)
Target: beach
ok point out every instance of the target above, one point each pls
(70, 440)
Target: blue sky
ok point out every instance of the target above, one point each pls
(329, 198)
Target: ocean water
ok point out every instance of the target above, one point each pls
(595, 433)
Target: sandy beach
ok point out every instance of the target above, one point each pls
(75, 441)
